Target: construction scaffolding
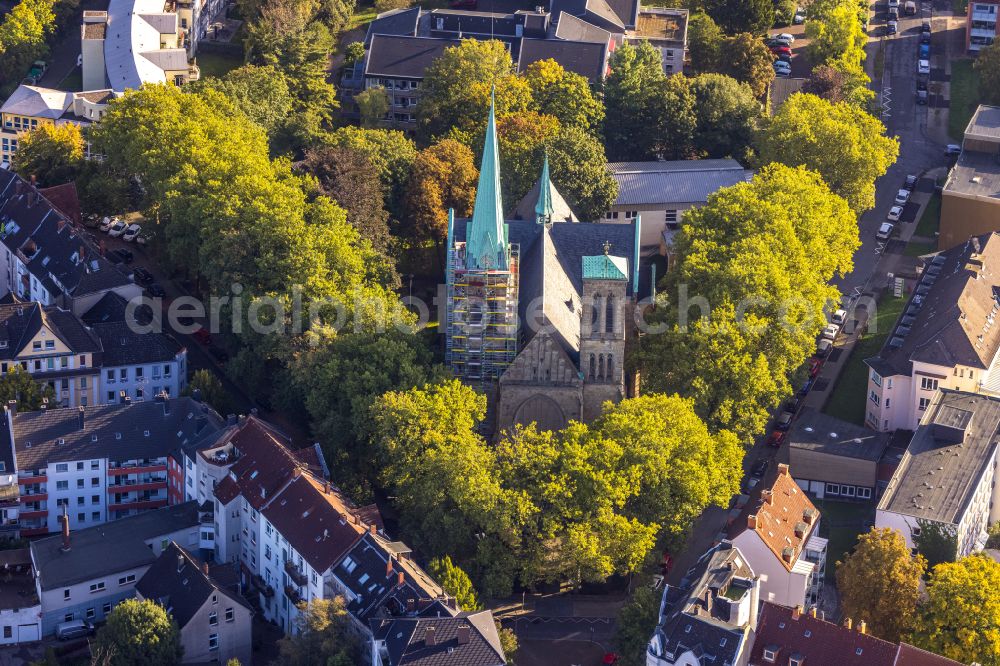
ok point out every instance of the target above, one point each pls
(481, 334)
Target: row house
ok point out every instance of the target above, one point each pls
(100, 463)
(944, 339)
(43, 258)
(777, 531)
(947, 475)
(30, 107)
(469, 639)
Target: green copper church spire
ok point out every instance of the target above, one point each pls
(486, 242)
(544, 208)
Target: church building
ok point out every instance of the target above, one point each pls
(540, 308)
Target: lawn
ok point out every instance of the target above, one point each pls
(840, 524)
(217, 64)
(847, 400)
(929, 222)
(363, 13)
(964, 97)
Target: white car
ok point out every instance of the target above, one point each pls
(902, 196)
(106, 223)
(894, 213)
(131, 232)
(839, 317)
(893, 4)
(831, 331)
(117, 229)
(782, 68)
(800, 17)
(885, 231)
(787, 37)
(923, 67)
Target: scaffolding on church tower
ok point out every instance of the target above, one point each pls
(482, 320)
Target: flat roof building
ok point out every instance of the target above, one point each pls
(970, 199)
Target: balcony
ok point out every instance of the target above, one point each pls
(33, 531)
(261, 586)
(135, 487)
(28, 479)
(138, 505)
(141, 469)
(296, 575)
(37, 513)
(9, 526)
(293, 594)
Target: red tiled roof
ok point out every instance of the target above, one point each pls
(776, 515)
(913, 656)
(65, 199)
(818, 642)
(264, 467)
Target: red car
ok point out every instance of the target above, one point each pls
(610, 658)
(202, 336)
(781, 50)
(775, 439)
(815, 365)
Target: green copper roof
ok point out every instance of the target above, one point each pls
(486, 246)
(604, 267)
(544, 207)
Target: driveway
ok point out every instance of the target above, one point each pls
(63, 55)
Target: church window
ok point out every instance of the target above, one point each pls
(609, 315)
(600, 366)
(611, 372)
(592, 366)
(595, 315)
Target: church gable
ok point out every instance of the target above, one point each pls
(542, 361)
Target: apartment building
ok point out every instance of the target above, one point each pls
(82, 575)
(980, 25)
(30, 107)
(20, 608)
(947, 474)
(666, 30)
(970, 198)
(9, 502)
(711, 616)
(214, 623)
(101, 463)
(661, 192)
(44, 259)
(777, 532)
(468, 639)
(944, 339)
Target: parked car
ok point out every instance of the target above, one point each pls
(902, 196)
(155, 290)
(923, 67)
(787, 37)
(800, 17)
(831, 331)
(838, 317)
(925, 38)
(782, 68)
(778, 50)
(953, 149)
(891, 27)
(784, 57)
(823, 348)
(142, 276)
(73, 629)
(894, 213)
(924, 51)
(759, 468)
(921, 95)
(792, 404)
(804, 391)
(775, 439)
(131, 233)
(610, 658)
(893, 14)
(779, 41)
(117, 229)
(106, 223)
(911, 180)
(125, 256)
(910, 8)
(925, 27)
(92, 221)
(885, 231)
(815, 367)
(145, 237)
(893, 4)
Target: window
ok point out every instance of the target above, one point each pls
(923, 403)
(69, 617)
(111, 396)
(213, 619)
(83, 382)
(83, 360)
(166, 371)
(671, 217)
(770, 654)
(95, 464)
(95, 482)
(213, 642)
(915, 531)
(832, 489)
(267, 552)
(123, 374)
(106, 608)
(95, 516)
(125, 580)
(887, 403)
(873, 396)
(79, 483)
(111, 376)
(928, 384)
(230, 615)
(876, 378)
(96, 587)
(8, 631)
(36, 345)
(138, 373)
(864, 493)
(611, 215)
(62, 485)
(50, 344)
(80, 500)
(91, 613)
(62, 467)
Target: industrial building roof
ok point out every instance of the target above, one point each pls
(956, 440)
(816, 431)
(974, 174)
(985, 123)
(674, 182)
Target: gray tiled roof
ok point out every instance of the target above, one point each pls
(404, 57)
(123, 346)
(400, 22)
(674, 182)
(938, 487)
(405, 641)
(117, 431)
(577, 30)
(598, 12)
(109, 548)
(589, 59)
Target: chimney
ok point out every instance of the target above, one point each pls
(12, 407)
(812, 611)
(848, 623)
(65, 530)
(767, 496)
(204, 568)
(809, 516)
(751, 522)
(708, 600)
(400, 579)
(81, 416)
(326, 487)
(782, 469)
(411, 605)
(388, 568)
(862, 627)
(82, 253)
(180, 562)
(800, 530)
(430, 639)
(797, 612)
(373, 529)
(464, 634)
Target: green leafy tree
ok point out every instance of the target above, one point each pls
(838, 34)
(354, 53)
(373, 104)
(101, 191)
(844, 144)
(138, 632)
(727, 117)
(746, 58)
(784, 11)
(879, 582)
(390, 152)
(508, 641)
(567, 96)
(18, 385)
(23, 33)
(764, 307)
(840, 81)
(443, 176)
(388, 5)
(634, 103)
(455, 93)
(260, 91)
(579, 170)
(636, 621)
(960, 618)
(324, 636)
(52, 153)
(678, 119)
(987, 65)
(935, 541)
(522, 138)
(455, 582)
(705, 40)
(210, 389)
(736, 16)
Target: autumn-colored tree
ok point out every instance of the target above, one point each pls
(444, 176)
(391, 153)
(51, 153)
(564, 95)
(23, 32)
(746, 58)
(879, 582)
(960, 618)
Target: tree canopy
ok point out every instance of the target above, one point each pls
(455, 582)
(960, 618)
(18, 385)
(936, 542)
(987, 65)
(837, 33)
(564, 95)
(759, 256)
(52, 153)
(324, 636)
(138, 632)
(727, 114)
(389, 151)
(746, 58)
(633, 101)
(23, 32)
(843, 143)
(735, 16)
(879, 582)
(840, 80)
(444, 176)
